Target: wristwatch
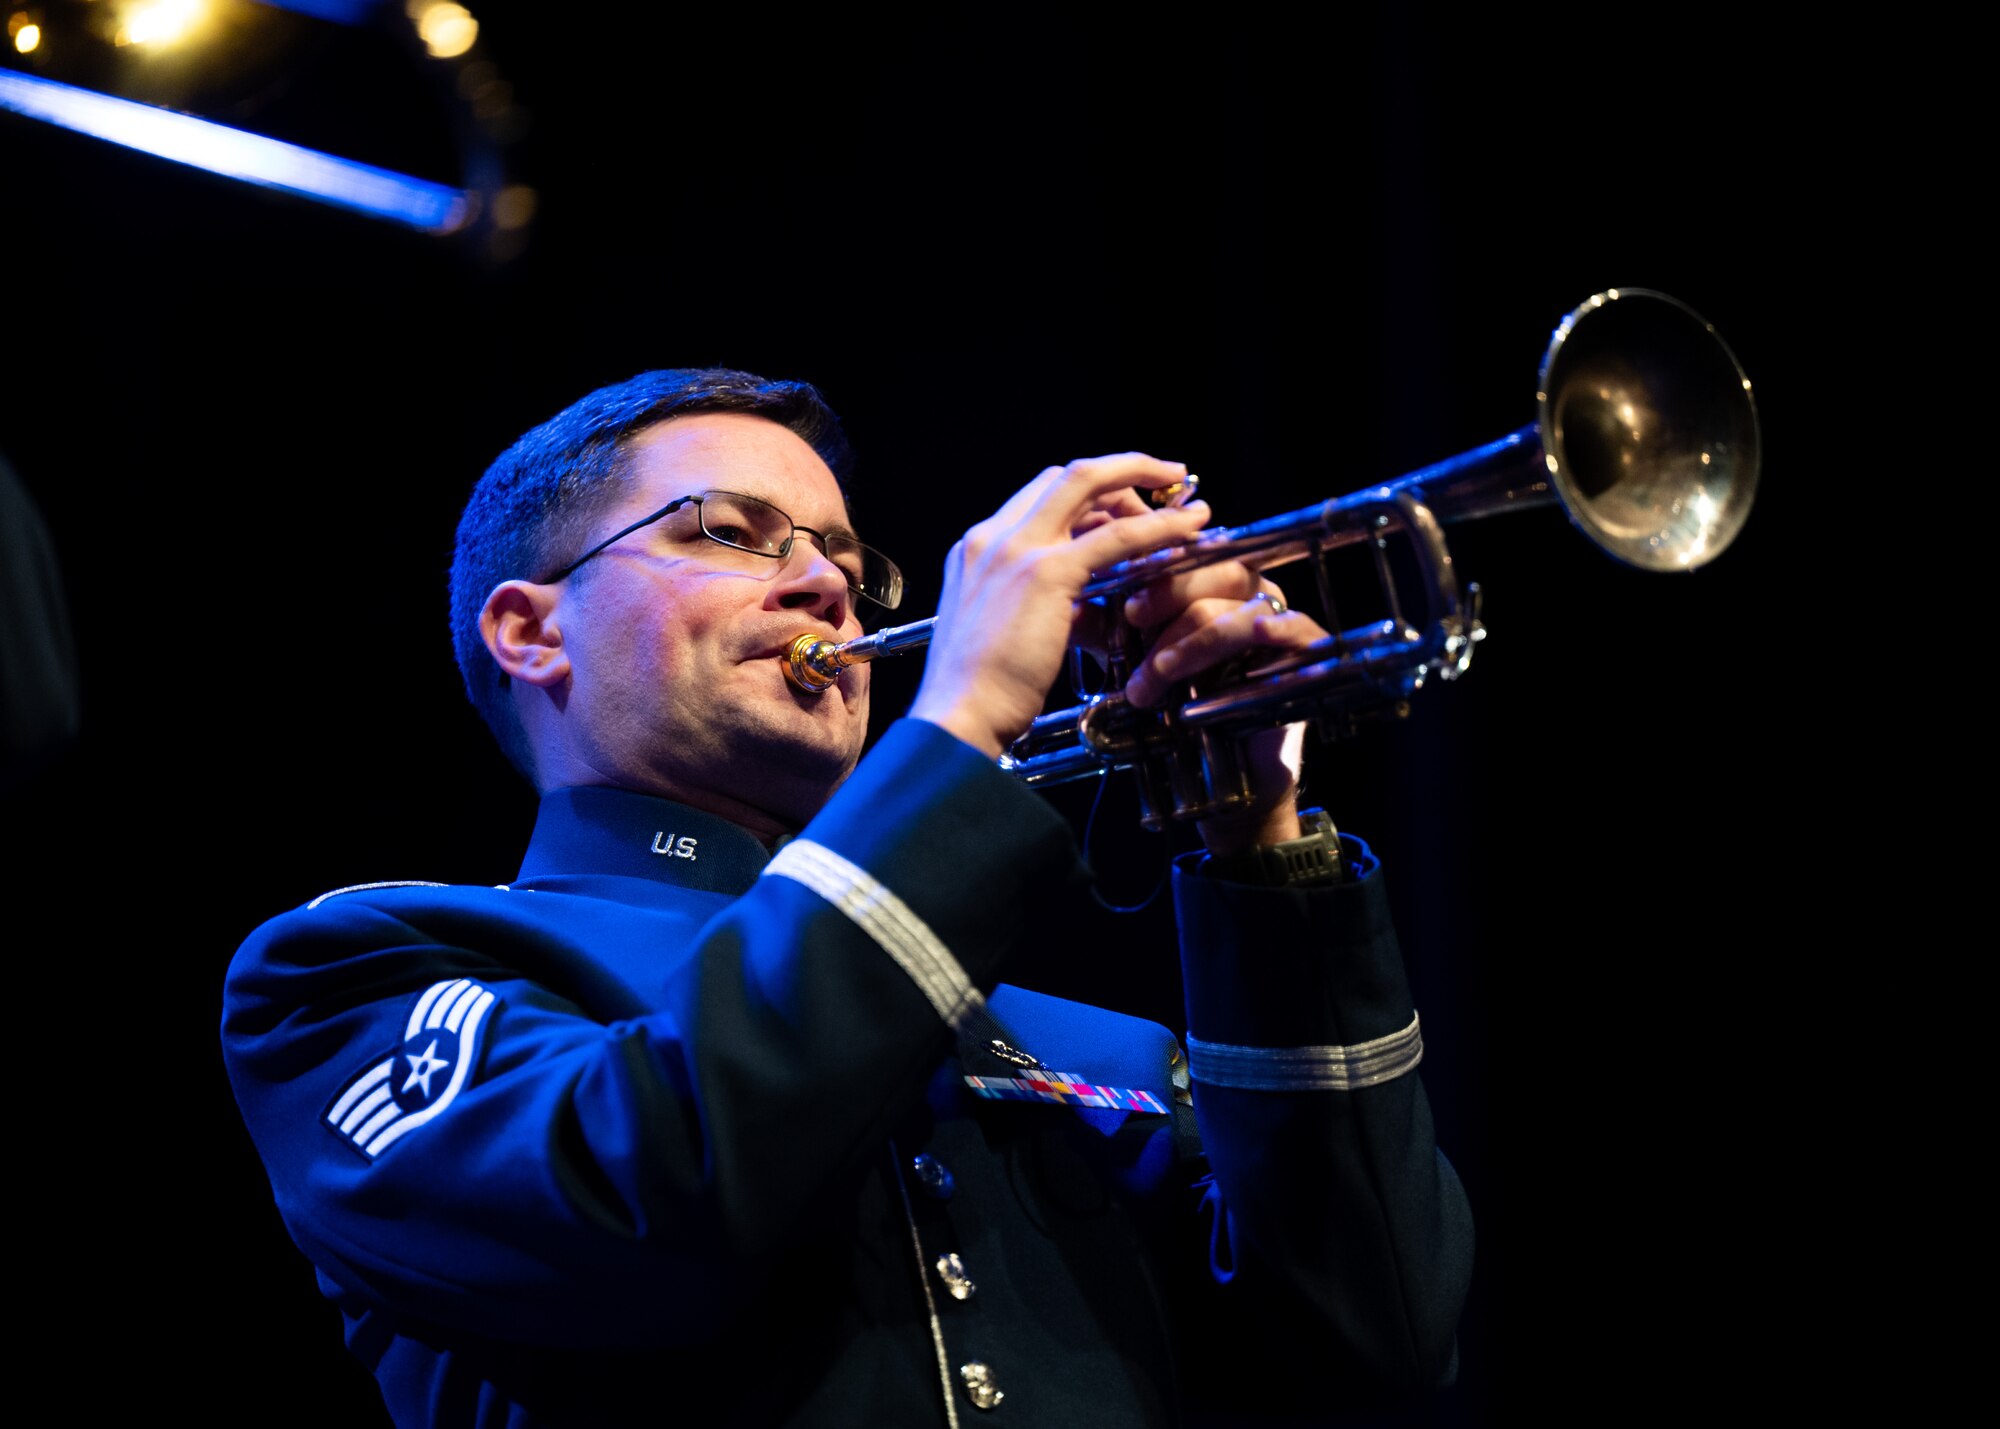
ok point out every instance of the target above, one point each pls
(1312, 859)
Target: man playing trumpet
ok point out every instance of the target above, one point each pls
(723, 1100)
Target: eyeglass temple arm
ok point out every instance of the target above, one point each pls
(667, 510)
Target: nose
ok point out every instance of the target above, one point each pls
(811, 584)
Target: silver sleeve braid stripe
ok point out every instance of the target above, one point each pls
(1306, 1069)
(888, 920)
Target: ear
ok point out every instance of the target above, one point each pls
(522, 633)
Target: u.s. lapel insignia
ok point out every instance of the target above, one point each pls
(395, 1095)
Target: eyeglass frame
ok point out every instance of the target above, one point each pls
(783, 553)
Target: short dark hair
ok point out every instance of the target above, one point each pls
(534, 507)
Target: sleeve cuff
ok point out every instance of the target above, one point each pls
(1307, 1069)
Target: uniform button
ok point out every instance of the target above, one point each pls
(934, 1176)
(951, 1270)
(980, 1386)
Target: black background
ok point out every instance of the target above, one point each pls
(1301, 256)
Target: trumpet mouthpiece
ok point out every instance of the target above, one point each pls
(810, 666)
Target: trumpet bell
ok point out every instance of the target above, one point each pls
(1648, 429)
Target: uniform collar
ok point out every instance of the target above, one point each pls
(593, 829)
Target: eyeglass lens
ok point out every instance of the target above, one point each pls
(749, 524)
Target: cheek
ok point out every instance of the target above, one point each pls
(668, 629)
(634, 657)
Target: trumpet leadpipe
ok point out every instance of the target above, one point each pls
(813, 663)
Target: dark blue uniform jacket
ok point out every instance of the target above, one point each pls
(668, 1122)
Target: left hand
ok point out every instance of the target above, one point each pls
(1202, 620)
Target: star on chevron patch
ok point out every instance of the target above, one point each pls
(396, 1094)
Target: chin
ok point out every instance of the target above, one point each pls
(837, 716)
(819, 738)
(776, 748)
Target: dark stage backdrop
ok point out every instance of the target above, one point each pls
(1301, 256)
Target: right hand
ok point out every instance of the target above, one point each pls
(1012, 584)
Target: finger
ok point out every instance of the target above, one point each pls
(1252, 620)
(1127, 536)
(1124, 501)
(1205, 637)
(1164, 599)
(1084, 484)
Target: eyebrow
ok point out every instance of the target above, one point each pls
(842, 529)
(839, 528)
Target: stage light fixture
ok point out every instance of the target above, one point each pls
(411, 89)
(239, 154)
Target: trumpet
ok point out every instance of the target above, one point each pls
(1645, 434)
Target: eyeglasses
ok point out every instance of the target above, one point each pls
(744, 523)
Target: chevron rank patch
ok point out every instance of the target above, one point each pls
(397, 1094)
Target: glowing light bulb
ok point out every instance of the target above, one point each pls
(446, 29)
(158, 22)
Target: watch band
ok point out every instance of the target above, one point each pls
(1312, 859)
